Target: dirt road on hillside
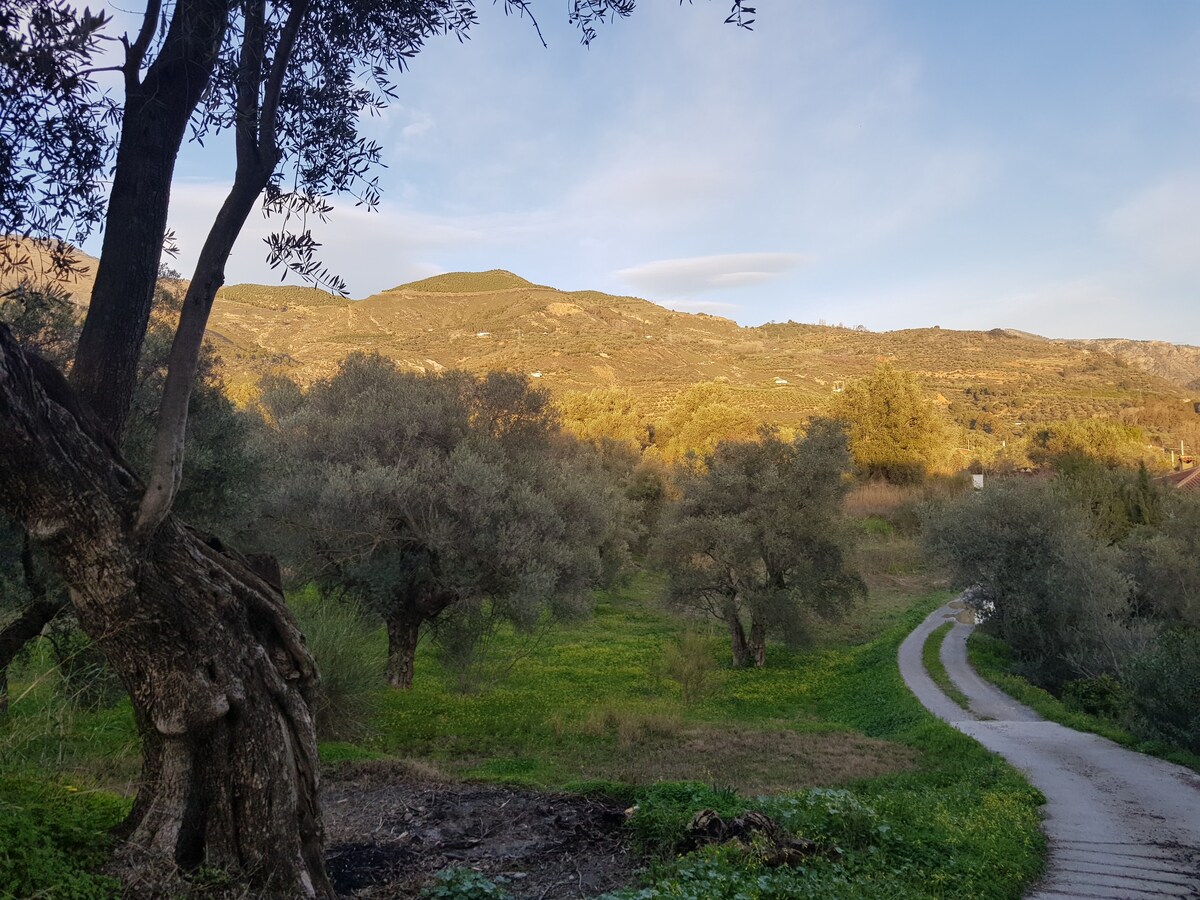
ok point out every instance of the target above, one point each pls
(1120, 824)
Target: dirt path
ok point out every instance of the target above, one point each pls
(1120, 824)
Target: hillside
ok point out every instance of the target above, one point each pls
(585, 339)
(1178, 363)
(578, 340)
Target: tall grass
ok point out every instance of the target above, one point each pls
(351, 655)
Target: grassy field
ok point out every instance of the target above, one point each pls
(826, 740)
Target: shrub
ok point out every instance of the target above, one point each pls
(1103, 695)
(689, 663)
(1040, 579)
(1164, 687)
(350, 656)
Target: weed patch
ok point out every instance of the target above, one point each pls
(931, 657)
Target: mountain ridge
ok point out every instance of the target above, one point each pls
(578, 340)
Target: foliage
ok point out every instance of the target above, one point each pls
(612, 414)
(1102, 440)
(424, 495)
(758, 535)
(351, 658)
(1117, 500)
(699, 419)
(42, 319)
(1164, 687)
(895, 431)
(1040, 579)
(53, 838)
(688, 661)
(459, 883)
(1164, 563)
(1103, 696)
(54, 135)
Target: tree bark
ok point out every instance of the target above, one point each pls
(758, 642)
(404, 631)
(155, 116)
(737, 634)
(212, 658)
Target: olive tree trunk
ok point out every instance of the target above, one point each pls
(404, 632)
(737, 635)
(758, 642)
(217, 670)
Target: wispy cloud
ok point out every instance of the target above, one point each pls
(709, 273)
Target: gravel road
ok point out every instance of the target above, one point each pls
(1120, 824)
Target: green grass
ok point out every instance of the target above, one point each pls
(962, 824)
(927, 813)
(993, 659)
(826, 740)
(932, 659)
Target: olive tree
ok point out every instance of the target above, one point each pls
(215, 665)
(757, 537)
(425, 496)
(1041, 580)
(896, 433)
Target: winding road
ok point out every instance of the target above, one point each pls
(1119, 824)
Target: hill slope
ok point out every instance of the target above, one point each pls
(585, 339)
(578, 340)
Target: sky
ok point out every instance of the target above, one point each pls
(1020, 164)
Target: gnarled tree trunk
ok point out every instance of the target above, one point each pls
(404, 631)
(217, 670)
(404, 621)
(737, 635)
(758, 642)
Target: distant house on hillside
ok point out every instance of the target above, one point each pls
(1187, 480)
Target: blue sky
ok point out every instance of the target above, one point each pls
(1033, 165)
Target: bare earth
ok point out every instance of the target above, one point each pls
(389, 833)
(1120, 824)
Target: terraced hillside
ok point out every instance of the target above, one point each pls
(583, 339)
(577, 340)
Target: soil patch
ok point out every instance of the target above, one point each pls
(757, 762)
(388, 835)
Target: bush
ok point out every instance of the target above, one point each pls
(1042, 582)
(689, 663)
(1164, 688)
(1103, 695)
(350, 656)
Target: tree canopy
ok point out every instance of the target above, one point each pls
(425, 494)
(757, 537)
(895, 431)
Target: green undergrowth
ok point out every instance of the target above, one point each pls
(53, 839)
(826, 740)
(931, 657)
(944, 818)
(992, 658)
